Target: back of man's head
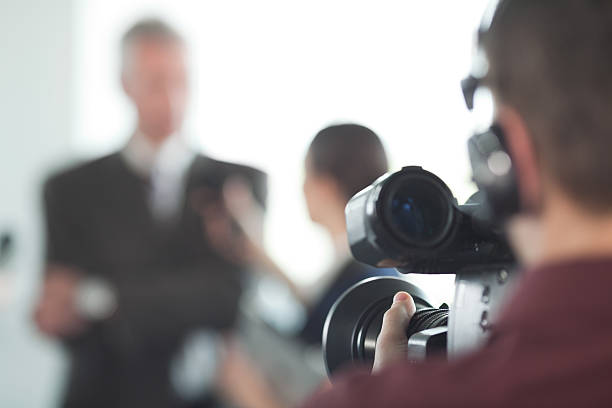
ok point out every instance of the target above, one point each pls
(352, 155)
(551, 60)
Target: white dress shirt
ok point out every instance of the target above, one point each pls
(166, 166)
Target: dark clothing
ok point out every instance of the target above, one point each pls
(351, 273)
(552, 347)
(168, 280)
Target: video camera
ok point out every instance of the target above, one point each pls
(411, 221)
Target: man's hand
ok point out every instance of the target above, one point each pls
(392, 343)
(56, 313)
(231, 221)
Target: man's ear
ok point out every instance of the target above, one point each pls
(522, 151)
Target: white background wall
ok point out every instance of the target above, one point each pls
(267, 76)
(36, 67)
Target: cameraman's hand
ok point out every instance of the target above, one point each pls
(392, 343)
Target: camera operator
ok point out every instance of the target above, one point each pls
(550, 72)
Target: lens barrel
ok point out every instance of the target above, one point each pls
(355, 320)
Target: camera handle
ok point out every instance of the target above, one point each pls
(427, 343)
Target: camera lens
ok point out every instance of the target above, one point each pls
(355, 320)
(404, 220)
(419, 212)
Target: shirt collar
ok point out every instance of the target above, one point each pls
(172, 156)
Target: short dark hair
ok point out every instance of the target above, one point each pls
(552, 61)
(149, 28)
(351, 154)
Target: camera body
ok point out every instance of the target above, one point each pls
(411, 221)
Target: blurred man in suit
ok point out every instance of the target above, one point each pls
(129, 271)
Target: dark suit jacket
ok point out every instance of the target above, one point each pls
(168, 280)
(552, 347)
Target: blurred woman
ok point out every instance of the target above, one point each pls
(341, 160)
(261, 368)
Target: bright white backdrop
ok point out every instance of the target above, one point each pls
(267, 75)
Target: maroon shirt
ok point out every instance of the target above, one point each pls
(552, 347)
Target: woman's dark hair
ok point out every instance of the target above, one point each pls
(351, 154)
